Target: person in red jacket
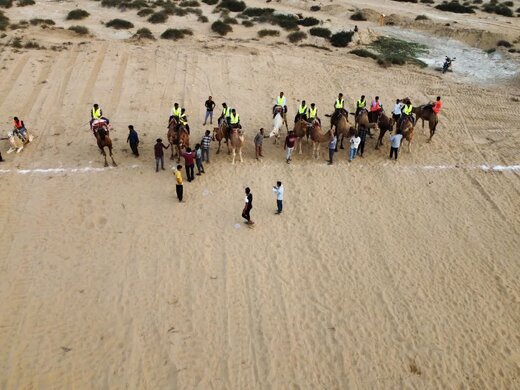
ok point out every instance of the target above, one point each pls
(19, 128)
(437, 105)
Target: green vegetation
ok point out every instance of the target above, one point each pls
(221, 28)
(4, 21)
(455, 7)
(143, 33)
(210, 2)
(120, 24)
(37, 22)
(296, 36)
(6, 3)
(247, 23)
(398, 52)
(422, 17)
(77, 14)
(145, 12)
(268, 33)
(189, 3)
(172, 9)
(490, 51)
(81, 30)
(229, 20)
(158, 17)
(232, 5)
(341, 39)
(33, 45)
(315, 8)
(364, 53)
(176, 34)
(258, 11)
(203, 19)
(504, 43)
(493, 7)
(24, 3)
(307, 22)
(122, 4)
(320, 32)
(358, 15)
(430, 1)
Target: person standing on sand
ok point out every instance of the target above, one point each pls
(159, 154)
(246, 213)
(354, 143)
(259, 140)
(362, 131)
(332, 147)
(133, 139)
(179, 189)
(278, 190)
(205, 143)
(290, 142)
(210, 105)
(395, 141)
(198, 159)
(189, 158)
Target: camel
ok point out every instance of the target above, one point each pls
(317, 137)
(17, 144)
(236, 140)
(385, 124)
(425, 113)
(301, 130)
(177, 139)
(407, 130)
(278, 121)
(103, 140)
(343, 129)
(221, 133)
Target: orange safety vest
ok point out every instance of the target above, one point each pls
(375, 106)
(437, 107)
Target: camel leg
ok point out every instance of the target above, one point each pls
(300, 141)
(240, 154)
(218, 150)
(233, 162)
(104, 155)
(228, 150)
(112, 157)
(410, 146)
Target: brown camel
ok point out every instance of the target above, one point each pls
(177, 139)
(385, 124)
(221, 133)
(236, 141)
(317, 137)
(301, 130)
(407, 130)
(425, 113)
(103, 140)
(343, 129)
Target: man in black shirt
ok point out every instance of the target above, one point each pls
(210, 105)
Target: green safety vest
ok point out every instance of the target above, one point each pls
(340, 103)
(176, 112)
(313, 112)
(361, 104)
(302, 110)
(234, 119)
(96, 114)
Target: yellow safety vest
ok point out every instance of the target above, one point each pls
(313, 113)
(176, 112)
(225, 112)
(340, 103)
(302, 110)
(183, 120)
(96, 114)
(234, 119)
(408, 109)
(361, 104)
(280, 101)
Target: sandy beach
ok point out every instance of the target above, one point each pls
(379, 274)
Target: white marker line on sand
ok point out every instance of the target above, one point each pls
(49, 171)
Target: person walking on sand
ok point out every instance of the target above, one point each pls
(178, 182)
(332, 147)
(159, 154)
(198, 159)
(133, 139)
(362, 132)
(189, 162)
(354, 144)
(259, 140)
(210, 105)
(395, 143)
(246, 213)
(205, 143)
(278, 190)
(290, 142)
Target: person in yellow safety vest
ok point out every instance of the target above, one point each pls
(226, 111)
(407, 111)
(234, 119)
(97, 113)
(339, 107)
(302, 112)
(313, 114)
(183, 121)
(281, 101)
(361, 104)
(176, 112)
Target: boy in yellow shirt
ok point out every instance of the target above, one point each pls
(178, 180)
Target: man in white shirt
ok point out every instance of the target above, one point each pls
(354, 144)
(278, 190)
(396, 113)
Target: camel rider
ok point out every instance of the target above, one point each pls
(97, 113)
(339, 107)
(176, 113)
(376, 105)
(281, 101)
(435, 107)
(234, 119)
(313, 114)
(407, 111)
(183, 121)
(226, 112)
(19, 128)
(302, 112)
(361, 104)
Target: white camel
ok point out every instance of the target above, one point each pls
(278, 122)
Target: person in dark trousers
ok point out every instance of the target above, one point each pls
(159, 154)
(1, 158)
(246, 213)
(362, 132)
(278, 190)
(332, 147)
(198, 160)
(205, 143)
(259, 140)
(178, 182)
(210, 105)
(395, 141)
(189, 162)
(133, 139)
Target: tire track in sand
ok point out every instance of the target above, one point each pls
(12, 80)
(86, 95)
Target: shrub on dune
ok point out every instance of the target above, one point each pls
(307, 22)
(296, 36)
(221, 28)
(43, 22)
(24, 3)
(4, 21)
(320, 32)
(268, 33)
(232, 5)
(341, 39)
(120, 24)
(81, 30)
(158, 17)
(175, 34)
(77, 14)
(145, 12)
(144, 33)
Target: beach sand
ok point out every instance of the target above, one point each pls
(378, 274)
